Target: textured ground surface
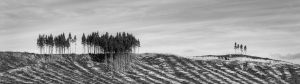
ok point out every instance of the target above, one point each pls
(149, 69)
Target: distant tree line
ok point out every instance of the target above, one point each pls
(242, 48)
(61, 43)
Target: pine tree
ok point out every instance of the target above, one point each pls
(245, 49)
(235, 47)
(83, 42)
(241, 47)
(74, 41)
(70, 42)
(44, 43)
(40, 43)
(51, 43)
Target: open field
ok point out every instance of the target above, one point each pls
(148, 68)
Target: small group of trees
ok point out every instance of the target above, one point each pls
(45, 42)
(116, 48)
(107, 43)
(241, 47)
(61, 43)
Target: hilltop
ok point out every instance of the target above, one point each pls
(240, 57)
(16, 67)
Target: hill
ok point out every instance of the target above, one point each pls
(16, 67)
(240, 57)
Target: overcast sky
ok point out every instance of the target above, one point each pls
(269, 28)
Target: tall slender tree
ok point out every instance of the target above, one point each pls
(241, 48)
(74, 42)
(70, 42)
(83, 42)
(235, 47)
(245, 49)
(238, 46)
(51, 43)
(40, 43)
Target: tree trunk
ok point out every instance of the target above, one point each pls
(75, 48)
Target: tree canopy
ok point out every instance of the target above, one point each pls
(95, 43)
(60, 42)
(241, 47)
(108, 43)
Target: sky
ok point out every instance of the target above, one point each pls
(269, 28)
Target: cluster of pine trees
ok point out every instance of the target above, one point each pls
(115, 48)
(61, 43)
(241, 47)
(107, 43)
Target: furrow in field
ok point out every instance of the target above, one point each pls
(155, 72)
(199, 76)
(231, 79)
(183, 66)
(230, 74)
(251, 76)
(238, 75)
(277, 77)
(224, 75)
(140, 74)
(215, 75)
(174, 69)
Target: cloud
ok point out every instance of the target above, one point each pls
(194, 27)
(295, 56)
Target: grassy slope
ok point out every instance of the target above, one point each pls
(150, 68)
